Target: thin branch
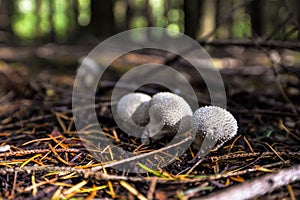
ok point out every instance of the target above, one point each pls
(36, 151)
(279, 26)
(274, 64)
(233, 156)
(259, 186)
(99, 175)
(135, 158)
(262, 112)
(270, 44)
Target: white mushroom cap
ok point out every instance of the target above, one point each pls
(132, 110)
(212, 126)
(166, 112)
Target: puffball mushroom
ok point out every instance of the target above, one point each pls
(166, 112)
(212, 126)
(132, 111)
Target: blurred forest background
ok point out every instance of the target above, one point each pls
(33, 23)
(74, 21)
(63, 31)
(41, 21)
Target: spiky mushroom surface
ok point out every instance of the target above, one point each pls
(166, 112)
(132, 109)
(212, 126)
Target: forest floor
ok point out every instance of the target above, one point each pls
(47, 159)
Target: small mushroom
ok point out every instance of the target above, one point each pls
(166, 112)
(212, 126)
(132, 111)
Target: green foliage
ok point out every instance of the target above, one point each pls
(30, 22)
(24, 25)
(151, 171)
(242, 26)
(84, 16)
(24, 21)
(138, 22)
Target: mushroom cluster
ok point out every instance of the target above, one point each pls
(212, 126)
(166, 114)
(132, 112)
(133, 108)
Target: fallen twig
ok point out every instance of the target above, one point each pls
(37, 151)
(259, 186)
(144, 155)
(99, 175)
(232, 156)
(270, 44)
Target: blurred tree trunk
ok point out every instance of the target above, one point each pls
(207, 19)
(191, 17)
(38, 33)
(129, 14)
(224, 11)
(7, 9)
(148, 12)
(297, 10)
(52, 35)
(102, 18)
(258, 17)
(73, 16)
